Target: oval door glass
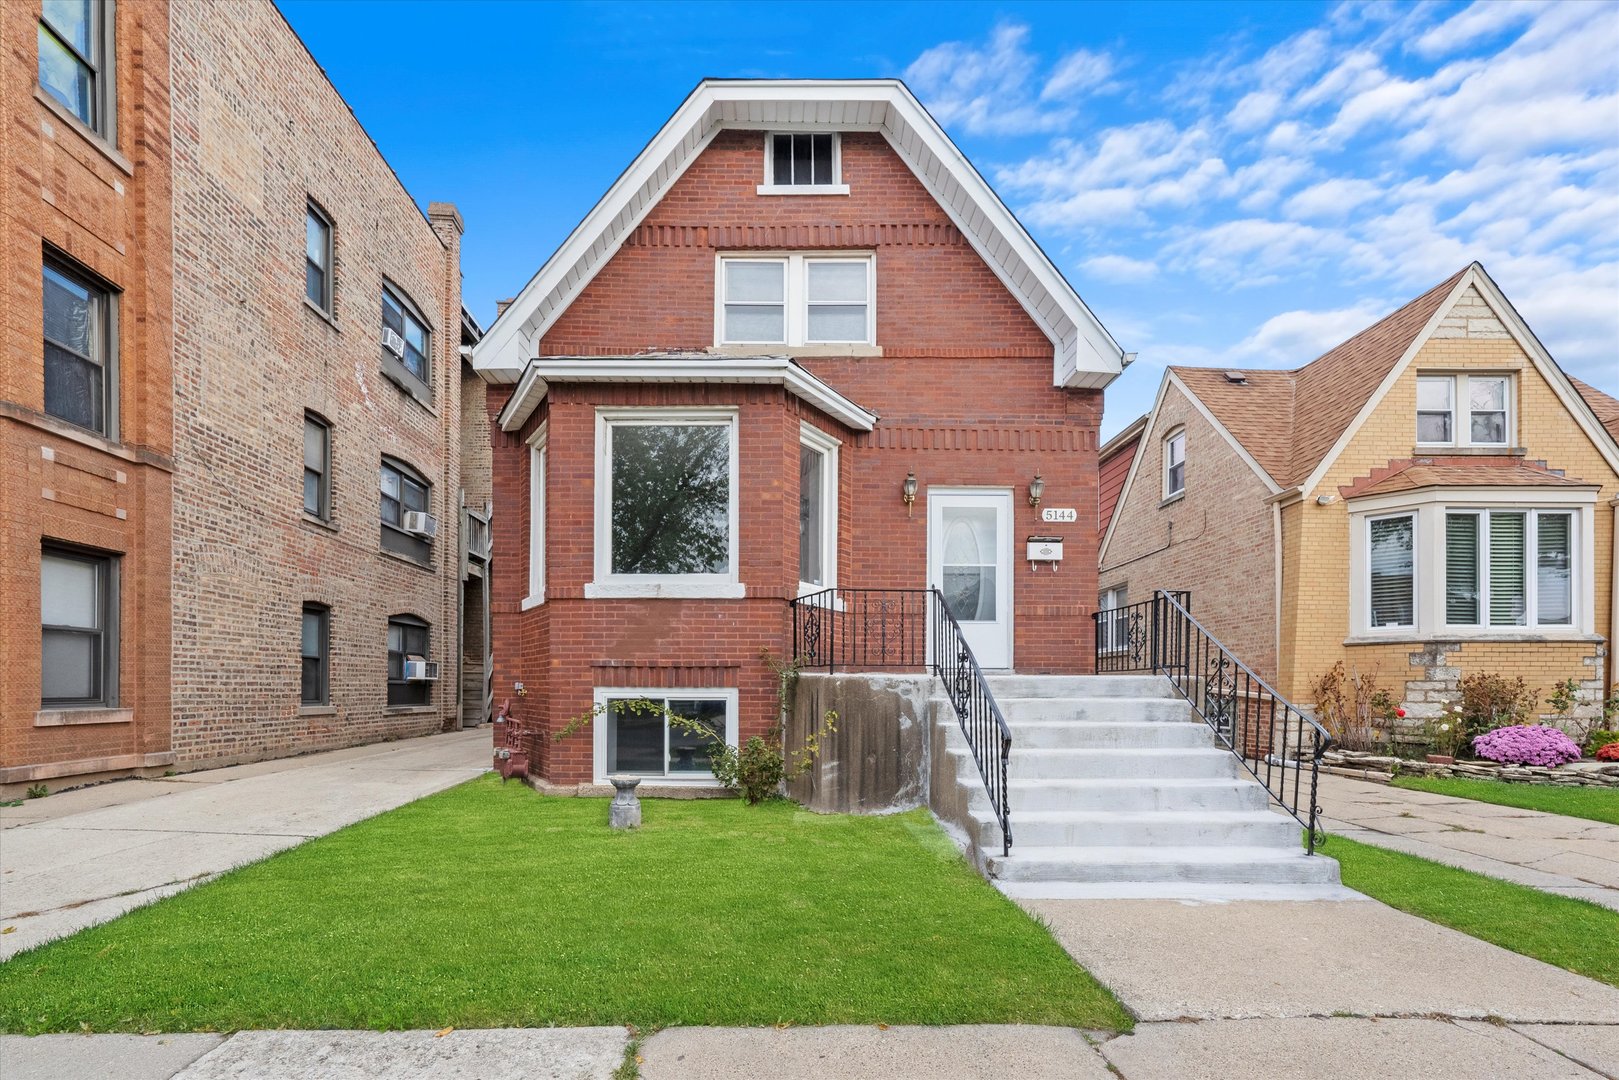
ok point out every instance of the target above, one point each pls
(971, 556)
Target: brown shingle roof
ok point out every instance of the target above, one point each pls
(1429, 472)
(1605, 406)
(1288, 420)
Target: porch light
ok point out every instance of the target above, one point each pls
(907, 491)
(1037, 488)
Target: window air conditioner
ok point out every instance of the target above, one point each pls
(421, 671)
(419, 524)
(392, 341)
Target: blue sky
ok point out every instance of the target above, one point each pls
(1233, 184)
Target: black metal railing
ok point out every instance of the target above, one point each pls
(910, 630)
(1277, 742)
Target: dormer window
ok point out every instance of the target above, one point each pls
(803, 163)
(1463, 410)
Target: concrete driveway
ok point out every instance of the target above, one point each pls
(83, 857)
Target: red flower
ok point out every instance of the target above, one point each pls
(1609, 752)
(1400, 713)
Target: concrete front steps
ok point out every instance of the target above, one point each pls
(1118, 789)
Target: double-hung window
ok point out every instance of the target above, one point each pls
(404, 505)
(1463, 410)
(314, 650)
(817, 509)
(80, 373)
(636, 736)
(1506, 568)
(1175, 464)
(537, 455)
(1391, 557)
(78, 615)
(318, 258)
(317, 467)
(406, 343)
(408, 639)
(803, 163)
(796, 300)
(76, 59)
(1111, 629)
(666, 510)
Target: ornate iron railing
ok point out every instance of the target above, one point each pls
(1278, 743)
(911, 629)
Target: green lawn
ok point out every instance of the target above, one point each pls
(491, 906)
(1572, 934)
(1598, 804)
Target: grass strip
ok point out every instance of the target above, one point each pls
(1596, 804)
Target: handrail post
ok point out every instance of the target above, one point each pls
(1157, 628)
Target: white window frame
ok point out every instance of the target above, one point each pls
(1113, 641)
(1416, 574)
(1178, 435)
(538, 452)
(795, 298)
(827, 446)
(605, 695)
(1461, 414)
(607, 585)
(1430, 508)
(1531, 553)
(770, 187)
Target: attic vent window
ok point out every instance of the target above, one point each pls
(807, 163)
(1236, 377)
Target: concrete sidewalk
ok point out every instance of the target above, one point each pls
(79, 858)
(1569, 856)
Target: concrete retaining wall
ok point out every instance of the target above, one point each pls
(877, 759)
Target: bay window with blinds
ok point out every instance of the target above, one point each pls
(1506, 568)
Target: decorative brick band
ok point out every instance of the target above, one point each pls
(736, 237)
(1063, 439)
(661, 674)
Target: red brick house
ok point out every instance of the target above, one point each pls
(800, 345)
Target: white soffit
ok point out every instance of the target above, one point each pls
(1084, 354)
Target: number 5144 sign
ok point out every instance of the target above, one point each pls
(1059, 513)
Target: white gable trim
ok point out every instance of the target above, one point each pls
(1477, 277)
(1151, 432)
(1084, 354)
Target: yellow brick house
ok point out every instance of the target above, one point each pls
(1431, 498)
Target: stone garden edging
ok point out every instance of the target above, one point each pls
(1380, 769)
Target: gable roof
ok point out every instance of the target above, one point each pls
(1604, 406)
(1084, 354)
(1289, 420)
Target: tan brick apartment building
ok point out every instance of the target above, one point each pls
(803, 294)
(249, 547)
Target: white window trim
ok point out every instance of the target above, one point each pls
(1115, 623)
(1416, 573)
(836, 187)
(1461, 417)
(604, 694)
(1531, 542)
(795, 324)
(816, 439)
(1169, 440)
(608, 585)
(538, 448)
(1430, 508)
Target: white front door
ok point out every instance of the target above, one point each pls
(970, 562)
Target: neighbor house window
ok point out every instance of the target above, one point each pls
(537, 453)
(406, 341)
(315, 643)
(317, 467)
(798, 161)
(407, 640)
(796, 300)
(78, 614)
(666, 491)
(1392, 560)
(1509, 568)
(1175, 464)
(407, 528)
(76, 59)
(1111, 629)
(817, 509)
(318, 259)
(80, 375)
(643, 740)
(1463, 410)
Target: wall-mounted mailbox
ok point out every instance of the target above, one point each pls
(1045, 549)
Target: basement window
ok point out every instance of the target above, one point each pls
(635, 737)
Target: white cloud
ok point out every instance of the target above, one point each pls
(1297, 337)
(1483, 18)
(1078, 72)
(1333, 198)
(990, 88)
(1119, 268)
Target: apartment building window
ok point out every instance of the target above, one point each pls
(78, 628)
(817, 509)
(406, 342)
(318, 258)
(317, 467)
(1175, 464)
(1509, 568)
(1464, 410)
(407, 528)
(80, 370)
(666, 499)
(803, 163)
(633, 738)
(315, 648)
(797, 300)
(76, 59)
(408, 639)
(1393, 574)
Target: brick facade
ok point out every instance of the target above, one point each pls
(103, 204)
(962, 387)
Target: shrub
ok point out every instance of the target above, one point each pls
(1527, 744)
(1491, 701)
(1356, 712)
(1595, 741)
(1608, 752)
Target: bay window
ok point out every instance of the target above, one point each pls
(796, 300)
(817, 510)
(537, 454)
(1463, 410)
(1509, 568)
(1393, 571)
(635, 735)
